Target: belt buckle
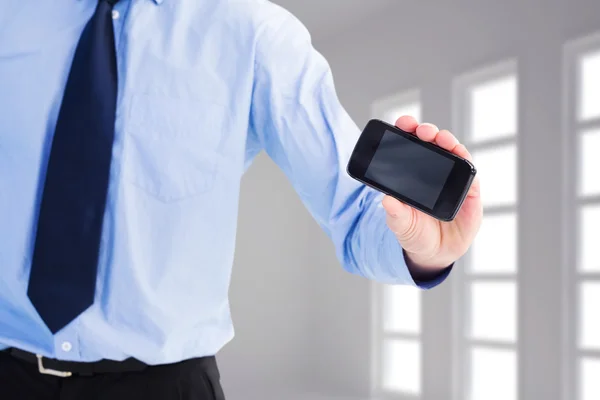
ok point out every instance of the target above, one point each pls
(46, 371)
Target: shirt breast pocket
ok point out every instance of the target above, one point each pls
(171, 146)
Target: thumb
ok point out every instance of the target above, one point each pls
(401, 218)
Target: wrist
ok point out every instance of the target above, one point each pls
(425, 270)
(426, 264)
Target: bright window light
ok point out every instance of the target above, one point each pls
(497, 168)
(402, 366)
(412, 109)
(589, 234)
(590, 379)
(494, 374)
(493, 311)
(589, 90)
(495, 248)
(402, 309)
(493, 109)
(589, 166)
(589, 322)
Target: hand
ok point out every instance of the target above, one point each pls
(430, 244)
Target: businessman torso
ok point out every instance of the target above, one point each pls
(185, 75)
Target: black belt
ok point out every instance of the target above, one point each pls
(64, 369)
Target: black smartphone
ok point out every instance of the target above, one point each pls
(415, 172)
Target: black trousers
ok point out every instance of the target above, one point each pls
(195, 379)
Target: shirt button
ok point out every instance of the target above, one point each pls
(115, 14)
(66, 346)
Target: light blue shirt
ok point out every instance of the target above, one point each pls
(204, 86)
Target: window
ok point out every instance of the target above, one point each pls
(486, 112)
(391, 108)
(397, 337)
(582, 141)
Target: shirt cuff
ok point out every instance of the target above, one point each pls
(436, 280)
(393, 255)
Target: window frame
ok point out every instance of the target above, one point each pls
(573, 202)
(462, 343)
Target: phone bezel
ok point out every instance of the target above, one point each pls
(454, 191)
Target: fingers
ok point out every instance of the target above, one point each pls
(446, 140)
(461, 151)
(407, 123)
(429, 133)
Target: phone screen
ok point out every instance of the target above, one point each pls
(405, 167)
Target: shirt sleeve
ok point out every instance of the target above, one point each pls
(298, 119)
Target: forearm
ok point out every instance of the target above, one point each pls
(370, 249)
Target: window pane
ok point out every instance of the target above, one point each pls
(412, 109)
(590, 379)
(589, 319)
(493, 311)
(497, 169)
(590, 163)
(402, 309)
(590, 87)
(402, 366)
(493, 374)
(589, 239)
(494, 109)
(495, 247)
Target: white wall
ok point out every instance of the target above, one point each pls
(271, 289)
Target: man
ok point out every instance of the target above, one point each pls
(124, 132)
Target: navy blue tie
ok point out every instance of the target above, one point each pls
(65, 258)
